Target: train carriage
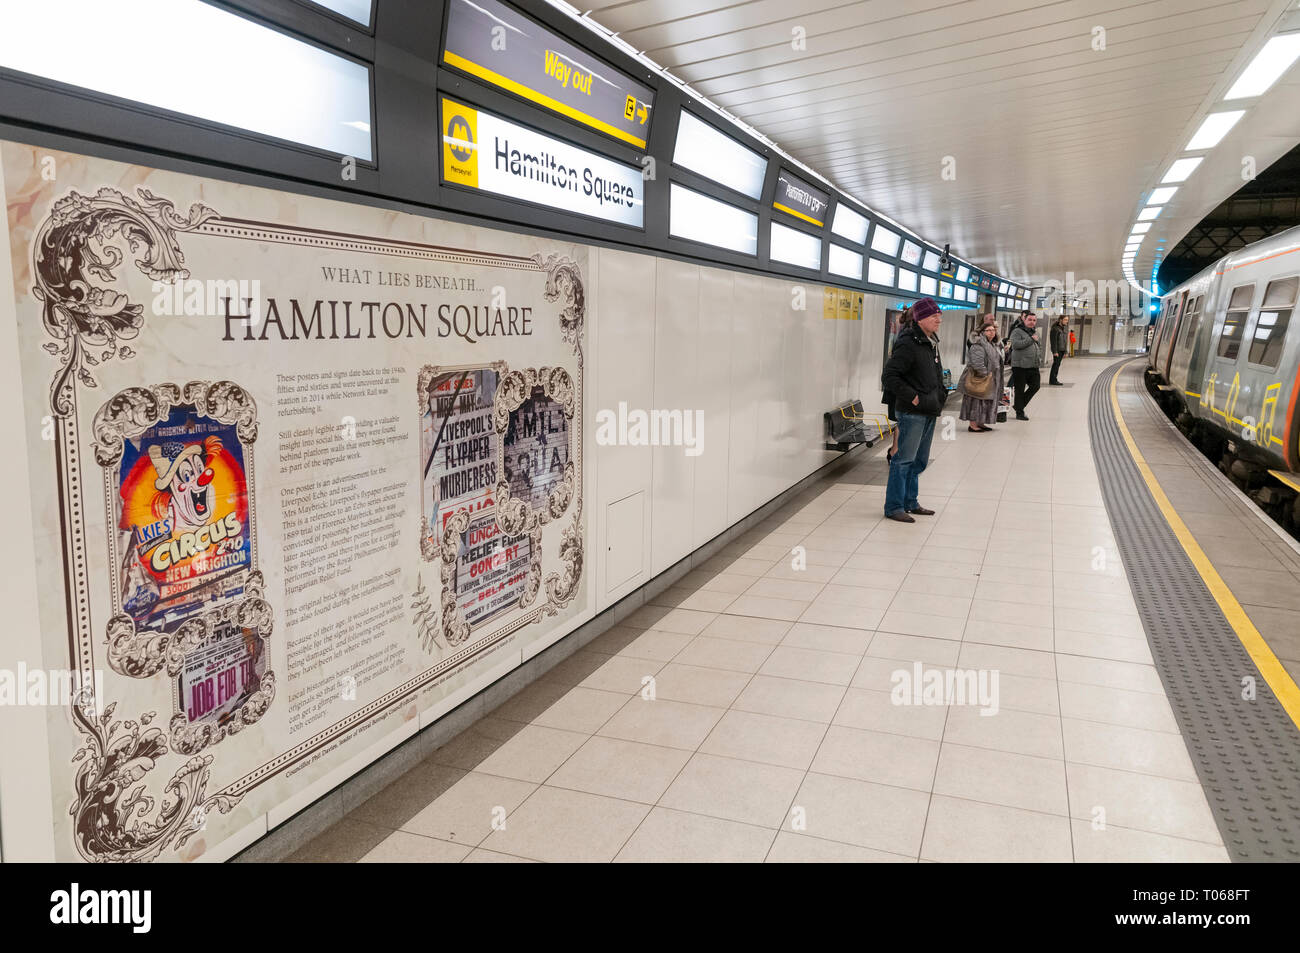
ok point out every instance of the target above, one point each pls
(1225, 364)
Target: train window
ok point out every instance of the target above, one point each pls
(1189, 320)
(1274, 316)
(1238, 309)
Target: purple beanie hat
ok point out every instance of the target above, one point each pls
(924, 308)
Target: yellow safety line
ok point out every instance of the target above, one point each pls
(1277, 677)
(542, 99)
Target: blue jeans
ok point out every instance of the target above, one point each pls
(914, 435)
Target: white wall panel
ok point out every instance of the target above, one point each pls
(790, 372)
(770, 464)
(623, 332)
(817, 391)
(747, 322)
(676, 355)
(675, 336)
(713, 376)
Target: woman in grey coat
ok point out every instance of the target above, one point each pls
(982, 357)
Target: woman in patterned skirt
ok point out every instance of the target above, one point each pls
(982, 358)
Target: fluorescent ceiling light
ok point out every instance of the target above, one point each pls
(1161, 196)
(1150, 212)
(1213, 129)
(1269, 63)
(1142, 229)
(1180, 170)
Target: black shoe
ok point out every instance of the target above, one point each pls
(900, 516)
(921, 511)
(1020, 416)
(1055, 384)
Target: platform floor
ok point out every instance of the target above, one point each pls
(772, 734)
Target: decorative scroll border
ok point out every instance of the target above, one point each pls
(74, 267)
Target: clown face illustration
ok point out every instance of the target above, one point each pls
(187, 481)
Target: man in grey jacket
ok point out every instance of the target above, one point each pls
(1025, 357)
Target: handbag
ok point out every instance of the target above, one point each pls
(979, 386)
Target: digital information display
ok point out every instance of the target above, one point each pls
(491, 41)
(796, 197)
(486, 152)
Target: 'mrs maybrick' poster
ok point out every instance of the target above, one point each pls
(303, 475)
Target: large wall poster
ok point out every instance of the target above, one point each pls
(277, 559)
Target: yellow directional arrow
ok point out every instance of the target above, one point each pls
(643, 114)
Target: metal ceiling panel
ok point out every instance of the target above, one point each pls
(1055, 143)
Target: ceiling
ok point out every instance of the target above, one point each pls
(1054, 144)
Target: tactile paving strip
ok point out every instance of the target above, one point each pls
(1246, 753)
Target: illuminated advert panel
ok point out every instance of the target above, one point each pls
(849, 224)
(485, 152)
(715, 155)
(795, 247)
(796, 197)
(284, 88)
(698, 218)
(489, 40)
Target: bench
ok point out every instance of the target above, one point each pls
(848, 425)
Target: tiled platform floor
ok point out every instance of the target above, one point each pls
(772, 734)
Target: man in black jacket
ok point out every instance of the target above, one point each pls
(1060, 344)
(914, 375)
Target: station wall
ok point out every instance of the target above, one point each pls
(344, 613)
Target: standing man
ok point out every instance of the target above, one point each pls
(1060, 343)
(914, 375)
(1025, 358)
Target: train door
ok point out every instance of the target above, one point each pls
(1223, 386)
(1262, 380)
(1179, 319)
(1167, 321)
(1156, 324)
(1180, 350)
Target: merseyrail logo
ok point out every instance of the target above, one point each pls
(460, 144)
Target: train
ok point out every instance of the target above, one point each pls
(1225, 366)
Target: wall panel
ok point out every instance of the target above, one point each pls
(713, 377)
(624, 335)
(676, 388)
